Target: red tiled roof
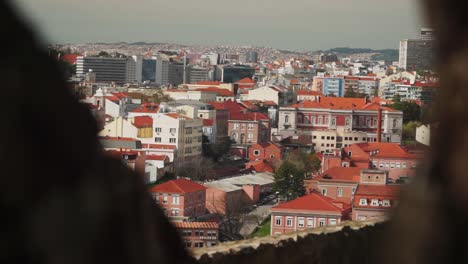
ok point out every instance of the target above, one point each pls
(239, 116)
(156, 157)
(143, 121)
(311, 202)
(147, 108)
(220, 91)
(158, 146)
(120, 95)
(208, 122)
(384, 150)
(177, 116)
(259, 166)
(178, 186)
(268, 145)
(246, 80)
(340, 103)
(426, 84)
(381, 192)
(196, 225)
(209, 83)
(70, 58)
(351, 174)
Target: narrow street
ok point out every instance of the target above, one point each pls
(255, 217)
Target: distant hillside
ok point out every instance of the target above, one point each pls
(385, 54)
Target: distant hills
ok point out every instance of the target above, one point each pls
(384, 54)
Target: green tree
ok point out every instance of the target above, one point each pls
(305, 162)
(159, 97)
(411, 111)
(396, 98)
(409, 130)
(289, 181)
(352, 94)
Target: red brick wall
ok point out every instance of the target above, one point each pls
(332, 191)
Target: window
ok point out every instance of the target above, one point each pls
(354, 190)
(251, 126)
(321, 222)
(175, 212)
(157, 139)
(326, 120)
(328, 145)
(356, 139)
(278, 220)
(172, 140)
(164, 198)
(320, 120)
(188, 130)
(386, 203)
(332, 138)
(392, 165)
(347, 122)
(186, 232)
(314, 137)
(286, 119)
(313, 120)
(403, 165)
(307, 120)
(328, 138)
(250, 136)
(199, 233)
(323, 137)
(324, 191)
(333, 122)
(289, 221)
(236, 125)
(188, 244)
(188, 150)
(363, 202)
(394, 123)
(158, 130)
(386, 165)
(256, 152)
(175, 199)
(381, 165)
(368, 122)
(339, 192)
(332, 222)
(350, 153)
(310, 222)
(375, 202)
(364, 139)
(188, 140)
(345, 138)
(300, 222)
(198, 244)
(398, 165)
(173, 130)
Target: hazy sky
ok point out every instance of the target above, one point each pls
(288, 24)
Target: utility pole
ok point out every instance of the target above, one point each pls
(185, 66)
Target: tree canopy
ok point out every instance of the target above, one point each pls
(411, 110)
(289, 181)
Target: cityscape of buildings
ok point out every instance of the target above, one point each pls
(208, 129)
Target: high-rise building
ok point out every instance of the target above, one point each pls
(176, 73)
(149, 70)
(427, 34)
(416, 54)
(234, 73)
(107, 69)
(252, 56)
(197, 74)
(134, 69)
(162, 71)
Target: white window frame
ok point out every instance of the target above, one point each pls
(176, 199)
(165, 199)
(333, 222)
(363, 202)
(322, 222)
(278, 220)
(311, 222)
(339, 192)
(386, 203)
(300, 222)
(289, 221)
(374, 202)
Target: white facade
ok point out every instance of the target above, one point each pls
(154, 170)
(192, 95)
(423, 135)
(134, 69)
(264, 93)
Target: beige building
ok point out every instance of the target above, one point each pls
(423, 134)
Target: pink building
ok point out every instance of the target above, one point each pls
(266, 151)
(249, 128)
(310, 211)
(180, 198)
(338, 183)
(372, 201)
(198, 234)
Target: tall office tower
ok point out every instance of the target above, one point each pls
(416, 54)
(176, 73)
(197, 74)
(148, 71)
(107, 69)
(134, 69)
(427, 34)
(252, 56)
(162, 71)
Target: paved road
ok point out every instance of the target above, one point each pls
(255, 217)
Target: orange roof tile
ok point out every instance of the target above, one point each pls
(196, 225)
(246, 80)
(340, 103)
(351, 174)
(181, 186)
(147, 108)
(310, 202)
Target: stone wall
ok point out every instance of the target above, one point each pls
(349, 242)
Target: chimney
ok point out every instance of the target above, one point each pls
(379, 125)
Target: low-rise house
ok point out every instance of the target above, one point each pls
(266, 151)
(310, 211)
(374, 201)
(304, 95)
(180, 198)
(156, 167)
(338, 183)
(198, 234)
(234, 193)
